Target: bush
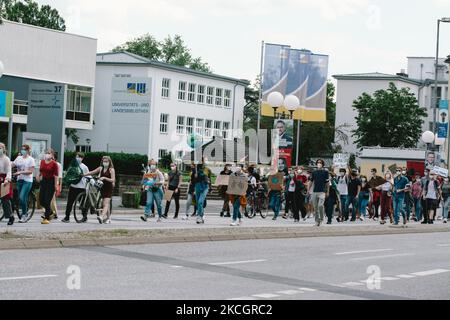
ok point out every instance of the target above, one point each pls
(124, 163)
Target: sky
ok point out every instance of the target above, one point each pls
(358, 35)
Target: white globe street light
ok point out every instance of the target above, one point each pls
(2, 68)
(275, 100)
(428, 137)
(292, 103)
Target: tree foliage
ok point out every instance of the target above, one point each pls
(389, 118)
(29, 12)
(171, 50)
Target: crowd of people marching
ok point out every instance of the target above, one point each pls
(319, 192)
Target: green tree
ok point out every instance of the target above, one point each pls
(29, 12)
(389, 118)
(171, 50)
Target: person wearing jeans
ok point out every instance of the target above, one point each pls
(25, 168)
(153, 181)
(275, 202)
(363, 198)
(48, 177)
(320, 180)
(174, 185)
(385, 199)
(416, 192)
(400, 186)
(202, 187)
(445, 189)
(354, 187)
(342, 186)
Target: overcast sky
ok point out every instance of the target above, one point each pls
(358, 35)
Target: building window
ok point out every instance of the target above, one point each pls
(182, 90)
(164, 123)
(208, 128)
(225, 130)
(219, 93)
(201, 94)
(165, 91)
(81, 148)
(191, 94)
(189, 125)
(20, 107)
(210, 96)
(162, 153)
(227, 98)
(79, 103)
(180, 125)
(179, 154)
(217, 128)
(199, 126)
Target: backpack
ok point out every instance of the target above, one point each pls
(73, 176)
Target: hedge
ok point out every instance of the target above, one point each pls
(124, 163)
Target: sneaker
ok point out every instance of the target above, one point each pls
(186, 217)
(318, 224)
(144, 218)
(296, 220)
(430, 222)
(444, 221)
(152, 215)
(193, 215)
(361, 218)
(304, 219)
(382, 222)
(395, 224)
(284, 216)
(375, 219)
(328, 222)
(45, 221)
(175, 217)
(221, 213)
(352, 220)
(65, 220)
(24, 219)
(100, 220)
(84, 220)
(107, 221)
(11, 221)
(234, 223)
(439, 218)
(274, 218)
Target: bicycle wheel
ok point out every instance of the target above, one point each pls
(80, 207)
(264, 208)
(31, 206)
(2, 213)
(250, 208)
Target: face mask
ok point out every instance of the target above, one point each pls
(300, 171)
(364, 180)
(153, 167)
(23, 152)
(403, 172)
(320, 166)
(341, 174)
(106, 164)
(291, 175)
(173, 168)
(2, 152)
(48, 157)
(78, 160)
(388, 176)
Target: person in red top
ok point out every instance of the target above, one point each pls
(48, 178)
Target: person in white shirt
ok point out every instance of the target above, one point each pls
(25, 169)
(76, 189)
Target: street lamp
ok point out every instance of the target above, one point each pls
(292, 103)
(275, 100)
(434, 106)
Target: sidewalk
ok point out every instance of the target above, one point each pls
(127, 228)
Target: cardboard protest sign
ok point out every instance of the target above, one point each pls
(4, 190)
(276, 181)
(441, 171)
(237, 185)
(340, 160)
(222, 180)
(378, 181)
(168, 195)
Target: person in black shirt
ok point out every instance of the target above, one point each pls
(354, 187)
(174, 185)
(223, 193)
(320, 180)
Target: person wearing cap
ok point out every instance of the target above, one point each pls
(320, 179)
(354, 187)
(431, 194)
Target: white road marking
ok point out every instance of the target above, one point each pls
(405, 276)
(290, 292)
(265, 295)
(430, 272)
(363, 251)
(389, 278)
(177, 267)
(352, 284)
(307, 289)
(337, 285)
(235, 262)
(381, 257)
(29, 277)
(444, 245)
(243, 298)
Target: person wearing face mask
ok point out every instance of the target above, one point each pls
(386, 197)
(77, 184)
(290, 186)
(431, 194)
(153, 181)
(332, 198)
(48, 178)
(237, 201)
(423, 203)
(5, 179)
(354, 187)
(363, 198)
(320, 180)
(445, 188)
(223, 193)
(202, 187)
(54, 208)
(342, 187)
(375, 196)
(174, 185)
(25, 169)
(400, 183)
(416, 192)
(107, 175)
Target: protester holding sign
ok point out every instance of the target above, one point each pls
(223, 192)
(153, 181)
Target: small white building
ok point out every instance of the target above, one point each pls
(150, 107)
(419, 79)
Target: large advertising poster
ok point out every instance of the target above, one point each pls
(130, 114)
(285, 141)
(6, 103)
(443, 119)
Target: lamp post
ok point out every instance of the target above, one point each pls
(275, 100)
(434, 105)
(428, 138)
(292, 103)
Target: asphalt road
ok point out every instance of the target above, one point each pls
(411, 266)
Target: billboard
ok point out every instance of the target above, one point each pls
(443, 119)
(285, 133)
(6, 103)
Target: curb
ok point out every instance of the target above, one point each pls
(203, 235)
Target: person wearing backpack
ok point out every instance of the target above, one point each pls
(74, 178)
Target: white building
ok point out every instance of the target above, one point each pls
(419, 78)
(38, 55)
(149, 107)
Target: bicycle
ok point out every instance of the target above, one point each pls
(89, 201)
(15, 203)
(257, 202)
